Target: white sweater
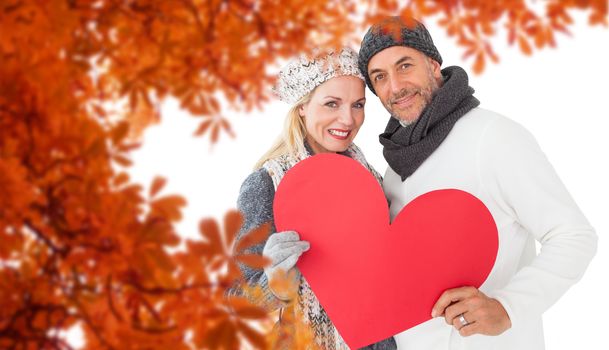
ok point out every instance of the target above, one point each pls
(500, 162)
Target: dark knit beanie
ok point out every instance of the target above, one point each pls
(393, 31)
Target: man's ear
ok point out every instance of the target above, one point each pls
(435, 68)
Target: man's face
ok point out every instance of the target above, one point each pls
(404, 79)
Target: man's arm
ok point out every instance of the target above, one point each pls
(522, 181)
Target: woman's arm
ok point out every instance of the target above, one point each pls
(255, 203)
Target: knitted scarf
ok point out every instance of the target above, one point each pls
(406, 148)
(326, 335)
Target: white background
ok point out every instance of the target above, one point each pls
(560, 95)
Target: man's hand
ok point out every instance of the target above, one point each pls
(481, 314)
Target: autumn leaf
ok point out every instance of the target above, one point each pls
(253, 336)
(252, 238)
(119, 132)
(214, 126)
(232, 224)
(121, 179)
(479, 64)
(168, 207)
(244, 308)
(157, 185)
(253, 260)
(524, 46)
(285, 283)
(122, 160)
(203, 127)
(210, 231)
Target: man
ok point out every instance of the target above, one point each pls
(438, 137)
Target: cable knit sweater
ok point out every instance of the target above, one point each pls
(498, 161)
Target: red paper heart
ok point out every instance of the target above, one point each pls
(373, 278)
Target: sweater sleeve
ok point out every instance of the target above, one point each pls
(522, 181)
(255, 203)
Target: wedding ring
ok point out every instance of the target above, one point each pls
(463, 320)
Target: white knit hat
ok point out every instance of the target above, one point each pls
(302, 75)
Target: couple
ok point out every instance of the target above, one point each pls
(437, 137)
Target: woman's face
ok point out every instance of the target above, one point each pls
(334, 114)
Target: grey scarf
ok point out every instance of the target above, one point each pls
(406, 148)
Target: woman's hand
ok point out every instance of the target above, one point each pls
(283, 249)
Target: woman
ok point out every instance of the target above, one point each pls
(327, 95)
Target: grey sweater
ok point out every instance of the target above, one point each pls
(255, 202)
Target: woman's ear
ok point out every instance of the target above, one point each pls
(301, 111)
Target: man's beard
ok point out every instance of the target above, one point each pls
(426, 92)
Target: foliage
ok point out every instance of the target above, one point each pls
(473, 23)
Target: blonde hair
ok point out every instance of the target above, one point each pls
(291, 140)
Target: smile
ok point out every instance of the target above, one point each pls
(339, 134)
(404, 100)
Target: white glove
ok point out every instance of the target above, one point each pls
(283, 249)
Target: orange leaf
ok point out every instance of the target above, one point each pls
(128, 147)
(213, 338)
(238, 302)
(215, 130)
(168, 207)
(223, 336)
(133, 99)
(122, 160)
(285, 283)
(253, 260)
(511, 36)
(208, 228)
(119, 132)
(524, 46)
(489, 51)
(97, 147)
(252, 238)
(214, 105)
(232, 223)
(99, 110)
(203, 127)
(469, 52)
(252, 312)
(227, 127)
(478, 66)
(121, 179)
(213, 313)
(253, 336)
(157, 184)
